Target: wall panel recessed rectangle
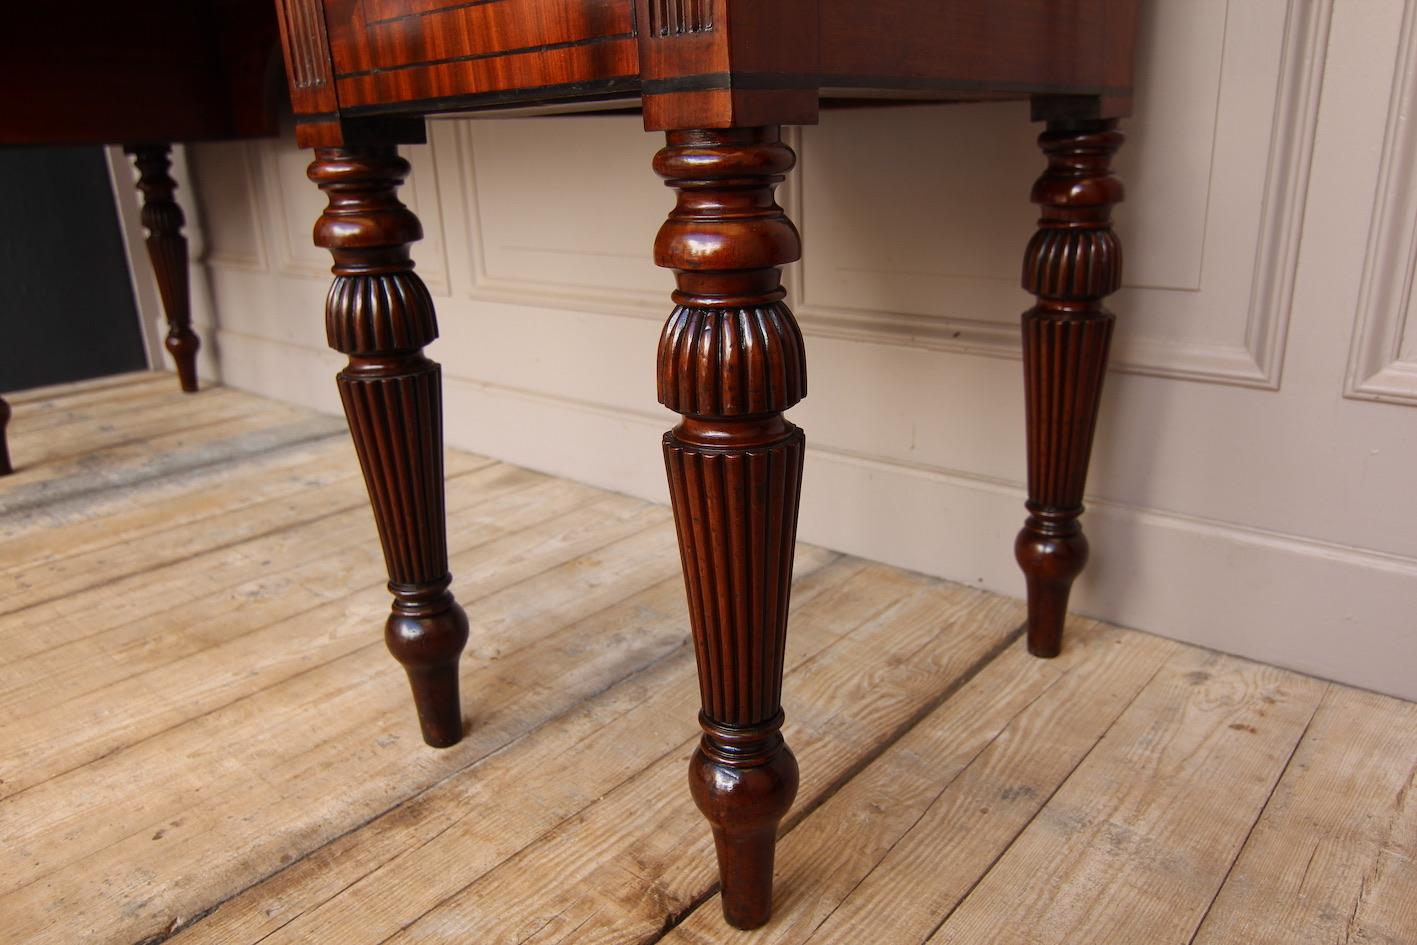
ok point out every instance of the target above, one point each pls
(230, 213)
(1215, 175)
(1383, 360)
(594, 216)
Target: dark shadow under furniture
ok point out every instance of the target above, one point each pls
(142, 75)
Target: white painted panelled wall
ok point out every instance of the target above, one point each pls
(1253, 480)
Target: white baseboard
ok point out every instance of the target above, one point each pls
(1307, 605)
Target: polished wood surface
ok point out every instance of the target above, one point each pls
(720, 77)
(242, 768)
(696, 63)
(731, 360)
(380, 315)
(1072, 264)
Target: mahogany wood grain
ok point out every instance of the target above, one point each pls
(1073, 262)
(720, 76)
(694, 63)
(731, 360)
(380, 314)
(1023, 47)
(167, 249)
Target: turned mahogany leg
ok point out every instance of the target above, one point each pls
(731, 360)
(380, 314)
(5, 467)
(1073, 262)
(167, 248)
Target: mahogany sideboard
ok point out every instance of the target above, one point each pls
(142, 75)
(718, 78)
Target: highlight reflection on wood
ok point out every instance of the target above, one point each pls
(243, 769)
(731, 360)
(1072, 263)
(719, 78)
(380, 314)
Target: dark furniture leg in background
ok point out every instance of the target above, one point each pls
(731, 360)
(167, 248)
(5, 467)
(1073, 262)
(380, 314)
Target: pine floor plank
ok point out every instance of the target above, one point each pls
(58, 575)
(1334, 858)
(45, 494)
(295, 765)
(87, 614)
(39, 452)
(366, 886)
(490, 503)
(57, 393)
(205, 741)
(643, 853)
(225, 661)
(887, 857)
(1135, 844)
(280, 473)
(43, 510)
(99, 406)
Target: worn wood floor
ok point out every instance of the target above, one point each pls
(202, 739)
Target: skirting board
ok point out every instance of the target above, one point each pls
(1302, 604)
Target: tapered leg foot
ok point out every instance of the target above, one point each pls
(1073, 262)
(183, 345)
(744, 782)
(731, 360)
(167, 248)
(380, 314)
(1050, 564)
(426, 633)
(437, 701)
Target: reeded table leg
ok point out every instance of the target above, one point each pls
(167, 248)
(380, 314)
(731, 359)
(1073, 262)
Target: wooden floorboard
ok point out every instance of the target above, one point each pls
(203, 740)
(896, 849)
(1334, 856)
(37, 499)
(1137, 841)
(53, 395)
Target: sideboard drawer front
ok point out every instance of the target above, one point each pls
(390, 51)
